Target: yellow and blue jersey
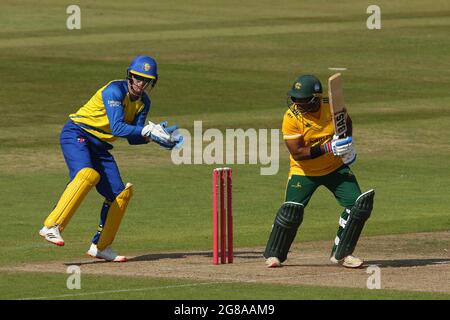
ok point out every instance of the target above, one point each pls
(110, 114)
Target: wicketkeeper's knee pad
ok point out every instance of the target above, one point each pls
(358, 216)
(72, 197)
(287, 221)
(114, 217)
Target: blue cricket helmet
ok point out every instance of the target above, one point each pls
(144, 66)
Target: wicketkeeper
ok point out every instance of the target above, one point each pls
(317, 158)
(118, 109)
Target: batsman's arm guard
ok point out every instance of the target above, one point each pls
(358, 216)
(287, 221)
(114, 217)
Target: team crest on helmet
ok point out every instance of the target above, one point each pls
(146, 66)
(297, 85)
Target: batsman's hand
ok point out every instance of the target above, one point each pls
(349, 157)
(339, 147)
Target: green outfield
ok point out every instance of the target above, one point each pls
(229, 65)
(151, 288)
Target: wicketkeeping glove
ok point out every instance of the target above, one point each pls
(176, 138)
(160, 134)
(338, 147)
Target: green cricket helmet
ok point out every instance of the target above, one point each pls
(143, 68)
(306, 86)
(305, 94)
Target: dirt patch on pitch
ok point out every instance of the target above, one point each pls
(413, 262)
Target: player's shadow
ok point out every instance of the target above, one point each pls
(79, 263)
(399, 263)
(172, 255)
(181, 255)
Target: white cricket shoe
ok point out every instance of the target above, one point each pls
(273, 262)
(52, 235)
(348, 262)
(108, 254)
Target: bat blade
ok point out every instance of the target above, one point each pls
(337, 105)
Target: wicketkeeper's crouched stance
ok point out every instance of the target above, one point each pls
(118, 109)
(317, 158)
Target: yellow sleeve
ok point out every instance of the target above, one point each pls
(290, 126)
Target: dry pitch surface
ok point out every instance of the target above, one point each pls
(413, 262)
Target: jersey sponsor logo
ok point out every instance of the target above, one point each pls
(114, 103)
(320, 140)
(81, 140)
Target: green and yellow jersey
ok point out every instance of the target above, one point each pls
(311, 129)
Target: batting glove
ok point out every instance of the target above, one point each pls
(349, 157)
(338, 147)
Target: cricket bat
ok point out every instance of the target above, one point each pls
(337, 106)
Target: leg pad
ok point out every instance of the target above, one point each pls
(114, 217)
(358, 216)
(72, 197)
(287, 221)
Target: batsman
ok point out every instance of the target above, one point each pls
(318, 157)
(117, 110)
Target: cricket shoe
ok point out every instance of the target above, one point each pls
(348, 262)
(52, 235)
(108, 254)
(273, 262)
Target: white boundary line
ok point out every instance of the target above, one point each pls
(337, 69)
(118, 291)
